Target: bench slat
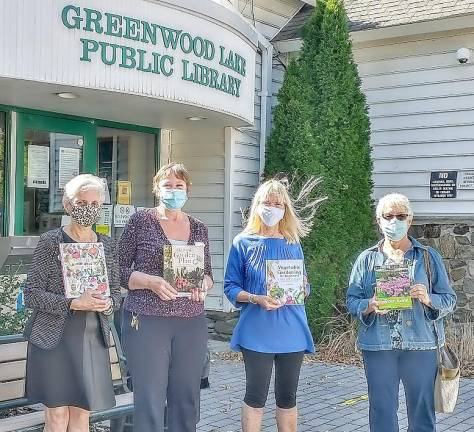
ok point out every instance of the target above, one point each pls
(13, 351)
(124, 399)
(12, 390)
(116, 372)
(12, 370)
(22, 421)
(113, 355)
(37, 418)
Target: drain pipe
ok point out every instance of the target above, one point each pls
(265, 95)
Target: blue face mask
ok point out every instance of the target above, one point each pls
(394, 229)
(173, 199)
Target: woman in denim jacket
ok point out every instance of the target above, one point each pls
(400, 344)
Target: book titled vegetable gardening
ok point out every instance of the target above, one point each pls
(285, 281)
(184, 267)
(392, 288)
(84, 268)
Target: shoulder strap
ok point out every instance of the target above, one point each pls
(426, 259)
(427, 262)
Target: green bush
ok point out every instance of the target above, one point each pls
(321, 128)
(11, 320)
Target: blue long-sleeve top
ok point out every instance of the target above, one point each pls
(278, 331)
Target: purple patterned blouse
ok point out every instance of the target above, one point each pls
(141, 249)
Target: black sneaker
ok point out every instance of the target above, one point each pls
(205, 383)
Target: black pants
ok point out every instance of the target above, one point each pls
(258, 371)
(165, 357)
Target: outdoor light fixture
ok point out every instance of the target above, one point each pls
(463, 55)
(67, 95)
(196, 118)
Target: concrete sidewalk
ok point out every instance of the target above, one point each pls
(330, 398)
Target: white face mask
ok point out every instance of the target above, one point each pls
(270, 215)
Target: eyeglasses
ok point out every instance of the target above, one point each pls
(400, 217)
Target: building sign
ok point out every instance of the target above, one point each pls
(466, 180)
(443, 184)
(157, 41)
(139, 47)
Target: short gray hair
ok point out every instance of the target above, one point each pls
(82, 183)
(393, 200)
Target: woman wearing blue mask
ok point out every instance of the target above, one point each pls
(272, 328)
(400, 344)
(164, 335)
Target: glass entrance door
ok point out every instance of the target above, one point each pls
(127, 161)
(50, 152)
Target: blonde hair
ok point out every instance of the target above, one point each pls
(82, 183)
(393, 201)
(177, 169)
(294, 225)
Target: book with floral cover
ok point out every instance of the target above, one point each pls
(184, 267)
(285, 281)
(84, 267)
(393, 287)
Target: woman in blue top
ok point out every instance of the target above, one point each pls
(400, 345)
(268, 331)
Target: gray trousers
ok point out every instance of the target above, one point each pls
(165, 357)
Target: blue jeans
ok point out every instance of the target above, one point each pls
(417, 371)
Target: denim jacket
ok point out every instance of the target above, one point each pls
(417, 330)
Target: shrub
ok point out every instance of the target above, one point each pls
(321, 128)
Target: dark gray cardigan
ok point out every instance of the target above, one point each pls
(44, 291)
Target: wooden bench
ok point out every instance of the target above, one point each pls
(13, 351)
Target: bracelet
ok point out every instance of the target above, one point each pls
(252, 299)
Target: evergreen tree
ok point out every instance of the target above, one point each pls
(321, 128)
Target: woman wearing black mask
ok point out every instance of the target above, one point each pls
(68, 360)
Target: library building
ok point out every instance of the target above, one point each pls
(117, 88)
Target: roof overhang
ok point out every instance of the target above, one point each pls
(361, 37)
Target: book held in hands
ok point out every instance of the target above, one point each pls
(84, 268)
(285, 281)
(184, 267)
(393, 287)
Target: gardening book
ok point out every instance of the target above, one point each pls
(184, 267)
(84, 267)
(285, 281)
(393, 286)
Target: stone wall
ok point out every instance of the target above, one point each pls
(455, 242)
(221, 324)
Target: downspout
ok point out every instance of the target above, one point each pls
(265, 96)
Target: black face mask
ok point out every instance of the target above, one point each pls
(86, 215)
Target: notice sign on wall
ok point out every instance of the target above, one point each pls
(38, 167)
(466, 180)
(122, 214)
(69, 159)
(443, 184)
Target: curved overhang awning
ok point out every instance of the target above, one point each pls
(135, 61)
